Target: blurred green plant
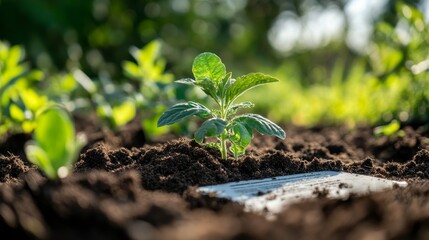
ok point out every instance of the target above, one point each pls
(111, 102)
(155, 90)
(389, 82)
(211, 77)
(328, 85)
(19, 98)
(400, 51)
(54, 147)
(61, 88)
(391, 129)
(351, 98)
(116, 103)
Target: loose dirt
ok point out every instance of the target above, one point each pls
(147, 190)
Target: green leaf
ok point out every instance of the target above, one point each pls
(240, 138)
(181, 111)
(237, 150)
(188, 81)
(28, 126)
(233, 108)
(148, 54)
(246, 82)
(212, 145)
(85, 82)
(123, 113)
(242, 135)
(16, 113)
(131, 69)
(11, 82)
(39, 157)
(208, 87)
(16, 54)
(32, 100)
(210, 66)
(261, 124)
(388, 130)
(210, 128)
(226, 83)
(53, 133)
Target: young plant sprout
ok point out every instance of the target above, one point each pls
(391, 129)
(211, 76)
(55, 146)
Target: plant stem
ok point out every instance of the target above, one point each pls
(223, 136)
(223, 149)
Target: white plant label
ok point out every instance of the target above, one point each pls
(271, 195)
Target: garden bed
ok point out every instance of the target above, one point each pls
(147, 190)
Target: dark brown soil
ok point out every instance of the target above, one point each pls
(148, 191)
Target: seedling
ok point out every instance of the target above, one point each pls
(19, 100)
(55, 146)
(391, 129)
(148, 72)
(211, 76)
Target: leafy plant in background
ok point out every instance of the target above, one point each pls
(62, 88)
(400, 52)
(388, 82)
(110, 101)
(155, 90)
(19, 99)
(54, 147)
(211, 76)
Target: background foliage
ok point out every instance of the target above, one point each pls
(371, 68)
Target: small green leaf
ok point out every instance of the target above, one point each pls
(240, 138)
(209, 87)
(188, 81)
(227, 81)
(11, 82)
(210, 128)
(181, 111)
(233, 108)
(28, 126)
(388, 130)
(16, 54)
(16, 113)
(123, 113)
(242, 135)
(148, 54)
(237, 150)
(246, 82)
(32, 100)
(210, 66)
(54, 131)
(212, 145)
(39, 157)
(261, 124)
(131, 69)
